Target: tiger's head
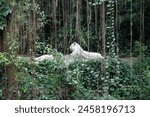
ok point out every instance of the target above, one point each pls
(75, 46)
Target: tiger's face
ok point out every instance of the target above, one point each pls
(74, 46)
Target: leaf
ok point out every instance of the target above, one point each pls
(108, 13)
(1, 27)
(7, 12)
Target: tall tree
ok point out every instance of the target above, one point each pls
(54, 20)
(78, 19)
(117, 26)
(65, 7)
(103, 26)
(11, 86)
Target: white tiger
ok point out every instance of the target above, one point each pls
(78, 51)
(43, 57)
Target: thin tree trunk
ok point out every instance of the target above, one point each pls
(117, 27)
(141, 42)
(1, 40)
(103, 29)
(32, 29)
(32, 36)
(89, 18)
(78, 20)
(103, 40)
(54, 11)
(65, 25)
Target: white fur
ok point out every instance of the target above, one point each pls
(68, 59)
(44, 57)
(78, 51)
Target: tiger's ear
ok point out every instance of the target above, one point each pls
(74, 43)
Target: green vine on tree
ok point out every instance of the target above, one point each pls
(112, 61)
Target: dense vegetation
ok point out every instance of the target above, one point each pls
(115, 28)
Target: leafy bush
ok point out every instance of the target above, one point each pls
(84, 80)
(119, 79)
(129, 82)
(50, 80)
(88, 73)
(139, 48)
(110, 79)
(141, 71)
(85, 77)
(4, 61)
(147, 72)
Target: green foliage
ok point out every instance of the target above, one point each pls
(25, 85)
(50, 79)
(87, 73)
(5, 9)
(147, 73)
(43, 48)
(82, 80)
(3, 59)
(141, 71)
(139, 48)
(45, 78)
(110, 29)
(117, 78)
(54, 80)
(13, 45)
(126, 82)
(82, 93)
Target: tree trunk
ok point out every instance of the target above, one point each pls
(141, 42)
(65, 25)
(1, 40)
(78, 20)
(11, 86)
(54, 25)
(32, 29)
(103, 29)
(117, 27)
(32, 36)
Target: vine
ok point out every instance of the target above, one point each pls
(112, 61)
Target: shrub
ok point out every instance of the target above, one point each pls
(85, 77)
(131, 82)
(112, 79)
